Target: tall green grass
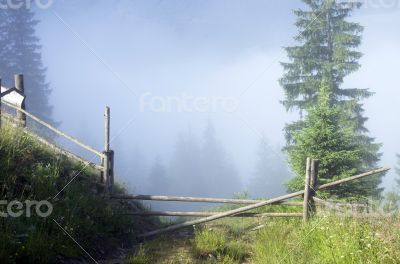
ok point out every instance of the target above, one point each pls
(29, 171)
(329, 240)
(325, 239)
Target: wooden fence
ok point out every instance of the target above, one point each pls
(309, 204)
(14, 98)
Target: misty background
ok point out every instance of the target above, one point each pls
(121, 53)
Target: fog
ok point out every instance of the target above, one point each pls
(171, 69)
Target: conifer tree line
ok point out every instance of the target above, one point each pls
(21, 53)
(199, 169)
(270, 171)
(201, 166)
(332, 122)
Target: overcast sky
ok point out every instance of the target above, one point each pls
(129, 54)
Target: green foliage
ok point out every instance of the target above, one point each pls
(325, 138)
(141, 257)
(328, 240)
(327, 43)
(209, 241)
(391, 202)
(219, 243)
(326, 54)
(32, 172)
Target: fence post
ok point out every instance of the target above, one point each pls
(0, 103)
(313, 184)
(111, 174)
(106, 152)
(306, 211)
(102, 174)
(19, 85)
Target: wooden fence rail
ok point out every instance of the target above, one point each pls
(198, 199)
(55, 130)
(15, 99)
(257, 205)
(202, 214)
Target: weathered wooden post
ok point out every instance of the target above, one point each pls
(19, 85)
(108, 155)
(0, 103)
(306, 211)
(313, 185)
(111, 174)
(106, 152)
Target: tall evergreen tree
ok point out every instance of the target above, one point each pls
(326, 50)
(21, 53)
(271, 172)
(325, 137)
(327, 53)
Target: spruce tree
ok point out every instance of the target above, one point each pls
(21, 53)
(327, 52)
(326, 138)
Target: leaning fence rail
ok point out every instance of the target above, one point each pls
(55, 130)
(14, 98)
(258, 205)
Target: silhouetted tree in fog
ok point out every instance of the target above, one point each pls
(271, 172)
(204, 170)
(158, 178)
(218, 170)
(21, 53)
(132, 165)
(185, 168)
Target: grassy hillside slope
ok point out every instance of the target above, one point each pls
(29, 171)
(326, 239)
